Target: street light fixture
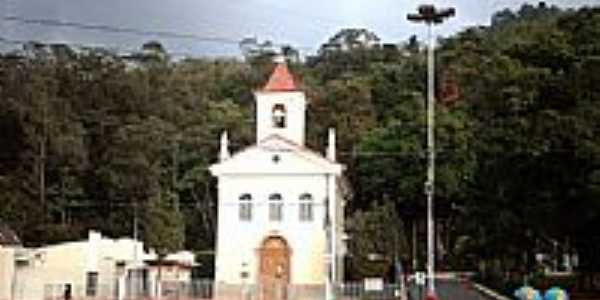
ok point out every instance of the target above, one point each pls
(430, 15)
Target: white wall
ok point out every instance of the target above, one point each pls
(238, 241)
(68, 263)
(295, 104)
(7, 264)
(54, 265)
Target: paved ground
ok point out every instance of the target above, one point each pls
(595, 296)
(450, 290)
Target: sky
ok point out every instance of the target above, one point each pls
(304, 24)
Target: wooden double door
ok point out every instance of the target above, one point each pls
(274, 268)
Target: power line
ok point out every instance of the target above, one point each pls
(12, 41)
(20, 42)
(254, 19)
(121, 30)
(113, 48)
(186, 204)
(135, 31)
(305, 19)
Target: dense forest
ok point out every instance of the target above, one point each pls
(91, 139)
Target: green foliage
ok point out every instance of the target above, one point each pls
(529, 99)
(86, 134)
(164, 224)
(377, 241)
(89, 134)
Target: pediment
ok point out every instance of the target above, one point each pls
(276, 155)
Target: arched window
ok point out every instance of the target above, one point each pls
(306, 207)
(245, 207)
(275, 207)
(279, 116)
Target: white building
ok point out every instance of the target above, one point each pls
(273, 208)
(9, 242)
(97, 267)
(94, 267)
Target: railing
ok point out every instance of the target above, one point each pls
(269, 291)
(74, 292)
(357, 291)
(207, 289)
(197, 289)
(129, 291)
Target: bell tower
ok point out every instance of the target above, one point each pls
(280, 107)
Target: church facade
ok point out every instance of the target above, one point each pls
(276, 222)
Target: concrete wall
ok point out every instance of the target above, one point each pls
(238, 241)
(43, 272)
(6, 272)
(57, 265)
(295, 105)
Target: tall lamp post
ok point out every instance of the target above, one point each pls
(430, 15)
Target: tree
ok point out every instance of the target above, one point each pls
(105, 131)
(377, 241)
(351, 38)
(526, 104)
(163, 226)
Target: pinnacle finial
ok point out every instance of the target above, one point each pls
(331, 145)
(224, 153)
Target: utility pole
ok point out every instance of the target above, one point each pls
(430, 15)
(330, 278)
(42, 171)
(136, 265)
(43, 140)
(175, 163)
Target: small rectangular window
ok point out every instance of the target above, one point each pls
(306, 207)
(306, 211)
(245, 210)
(91, 287)
(245, 207)
(275, 211)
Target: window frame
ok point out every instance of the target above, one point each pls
(306, 208)
(279, 122)
(275, 207)
(245, 207)
(91, 284)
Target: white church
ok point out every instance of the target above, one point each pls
(280, 210)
